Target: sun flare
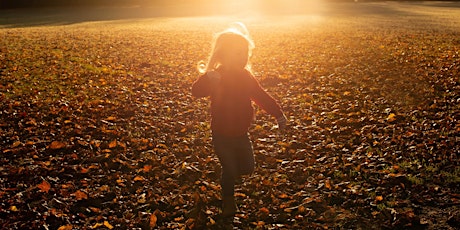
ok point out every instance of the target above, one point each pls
(260, 7)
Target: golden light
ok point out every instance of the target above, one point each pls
(259, 7)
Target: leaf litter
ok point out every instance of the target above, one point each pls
(99, 129)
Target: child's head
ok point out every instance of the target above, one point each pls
(231, 49)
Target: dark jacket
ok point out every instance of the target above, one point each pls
(231, 107)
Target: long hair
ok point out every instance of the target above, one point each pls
(237, 32)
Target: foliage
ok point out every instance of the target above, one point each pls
(99, 129)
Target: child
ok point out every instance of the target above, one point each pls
(228, 80)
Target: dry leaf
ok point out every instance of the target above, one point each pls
(93, 209)
(57, 145)
(16, 144)
(327, 184)
(264, 210)
(391, 117)
(44, 186)
(113, 144)
(66, 227)
(80, 195)
(139, 178)
(146, 168)
(153, 220)
(97, 225)
(111, 118)
(108, 225)
(283, 196)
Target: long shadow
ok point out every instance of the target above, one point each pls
(449, 4)
(30, 17)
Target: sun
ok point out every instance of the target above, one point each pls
(185, 8)
(262, 7)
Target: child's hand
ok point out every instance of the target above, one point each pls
(282, 122)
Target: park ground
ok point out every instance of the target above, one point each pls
(99, 130)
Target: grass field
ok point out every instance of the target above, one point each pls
(99, 129)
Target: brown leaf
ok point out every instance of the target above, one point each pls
(108, 225)
(96, 225)
(44, 186)
(65, 227)
(96, 210)
(139, 178)
(16, 144)
(153, 220)
(391, 117)
(327, 184)
(283, 196)
(264, 210)
(111, 118)
(113, 144)
(146, 168)
(79, 195)
(56, 145)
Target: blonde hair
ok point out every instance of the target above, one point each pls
(236, 33)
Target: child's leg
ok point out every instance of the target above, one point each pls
(245, 156)
(224, 149)
(236, 157)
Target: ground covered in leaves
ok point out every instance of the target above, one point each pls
(99, 130)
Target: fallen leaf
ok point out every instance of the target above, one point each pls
(66, 227)
(153, 220)
(391, 117)
(146, 168)
(96, 210)
(111, 118)
(44, 186)
(139, 178)
(211, 221)
(16, 144)
(97, 225)
(79, 195)
(283, 196)
(108, 225)
(113, 144)
(57, 145)
(264, 210)
(327, 184)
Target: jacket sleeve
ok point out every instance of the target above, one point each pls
(264, 100)
(201, 87)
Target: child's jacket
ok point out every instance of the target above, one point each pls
(231, 108)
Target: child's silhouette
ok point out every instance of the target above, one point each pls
(228, 81)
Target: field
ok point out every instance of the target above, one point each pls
(99, 129)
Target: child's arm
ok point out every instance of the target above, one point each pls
(268, 103)
(203, 86)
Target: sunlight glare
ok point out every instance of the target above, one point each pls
(266, 7)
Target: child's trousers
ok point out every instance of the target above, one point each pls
(236, 158)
